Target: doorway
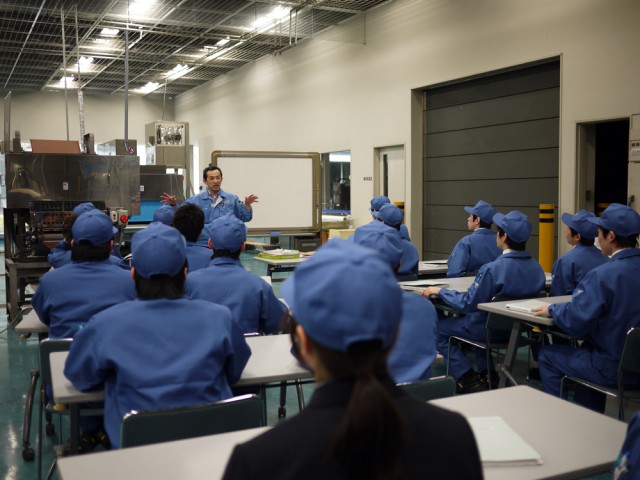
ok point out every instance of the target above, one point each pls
(390, 173)
(603, 149)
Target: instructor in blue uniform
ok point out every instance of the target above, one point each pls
(415, 348)
(571, 267)
(226, 282)
(473, 251)
(161, 350)
(603, 307)
(514, 274)
(215, 202)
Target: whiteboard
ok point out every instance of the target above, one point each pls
(287, 184)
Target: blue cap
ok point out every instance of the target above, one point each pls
(382, 239)
(515, 224)
(93, 226)
(378, 202)
(345, 294)
(620, 219)
(389, 215)
(158, 250)
(164, 214)
(581, 224)
(83, 207)
(227, 233)
(483, 210)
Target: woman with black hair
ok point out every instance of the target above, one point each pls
(358, 424)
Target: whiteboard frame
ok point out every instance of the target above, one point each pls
(315, 223)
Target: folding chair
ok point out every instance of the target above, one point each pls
(437, 387)
(165, 425)
(495, 323)
(629, 363)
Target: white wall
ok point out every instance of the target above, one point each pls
(42, 115)
(324, 96)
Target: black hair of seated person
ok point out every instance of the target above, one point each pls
(226, 254)
(622, 242)
(208, 169)
(483, 224)
(587, 242)
(369, 440)
(85, 251)
(189, 221)
(517, 246)
(160, 286)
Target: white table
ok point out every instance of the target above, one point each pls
(31, 323)
(521, 318)
(573, 441)
(195, 458)
(280, 265)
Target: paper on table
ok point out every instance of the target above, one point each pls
(500, 445)
(419, 285)
(436, 262)
(526, 306)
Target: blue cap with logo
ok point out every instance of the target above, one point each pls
(158, 250)
(483, 210)
(93, 226)
(378, 202)
(581, 224)
(381, 238)
(82, 208)
(390, 215)
(227, 233)
(620, 219)
(164, 214)
(345, 294)
(515, 224)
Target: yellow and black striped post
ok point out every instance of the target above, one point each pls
(545, 236)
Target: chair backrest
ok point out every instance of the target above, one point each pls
(630, 358)
(165, 425)
(438, 387)
(45, 348)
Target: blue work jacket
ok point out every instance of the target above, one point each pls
(251, 300)
(227, 203)
(472, 252)
(511, 275)
(67, 297)
(60, 255)
(627, 466)
(603, 307)
(571, 267)
(415, 348)
(409, 260)
(198, 256)
(150, 354)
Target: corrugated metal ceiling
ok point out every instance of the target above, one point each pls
(161, 35)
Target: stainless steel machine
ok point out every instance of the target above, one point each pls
(42, 190)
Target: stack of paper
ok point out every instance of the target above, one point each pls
(280, 254)
(526, 306)
(420, 285)
(500, 445)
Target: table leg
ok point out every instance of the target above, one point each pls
(510, 355)
(74, 427)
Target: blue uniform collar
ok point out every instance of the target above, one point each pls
(226, 261)
(514, 254)
(629, 252)
(205, 193)
(483, 231)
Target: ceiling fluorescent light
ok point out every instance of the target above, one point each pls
(178, 71)
(223, 42)
(148, 88)
(109, 32)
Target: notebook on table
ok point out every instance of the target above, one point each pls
(526, 306)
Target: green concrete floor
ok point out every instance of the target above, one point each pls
(19, 356)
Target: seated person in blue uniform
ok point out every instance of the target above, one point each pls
(67, 297)
(358, 424)
(392, 216)
(473, 251)
(627, 466)
(377, 203)
(251, 300)
(514, 274)
(603, 308)
(164, 214)
(571, 267)
(161, 350)
(61, 254)
(189, 220)
(215, 202)
(415, 348)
